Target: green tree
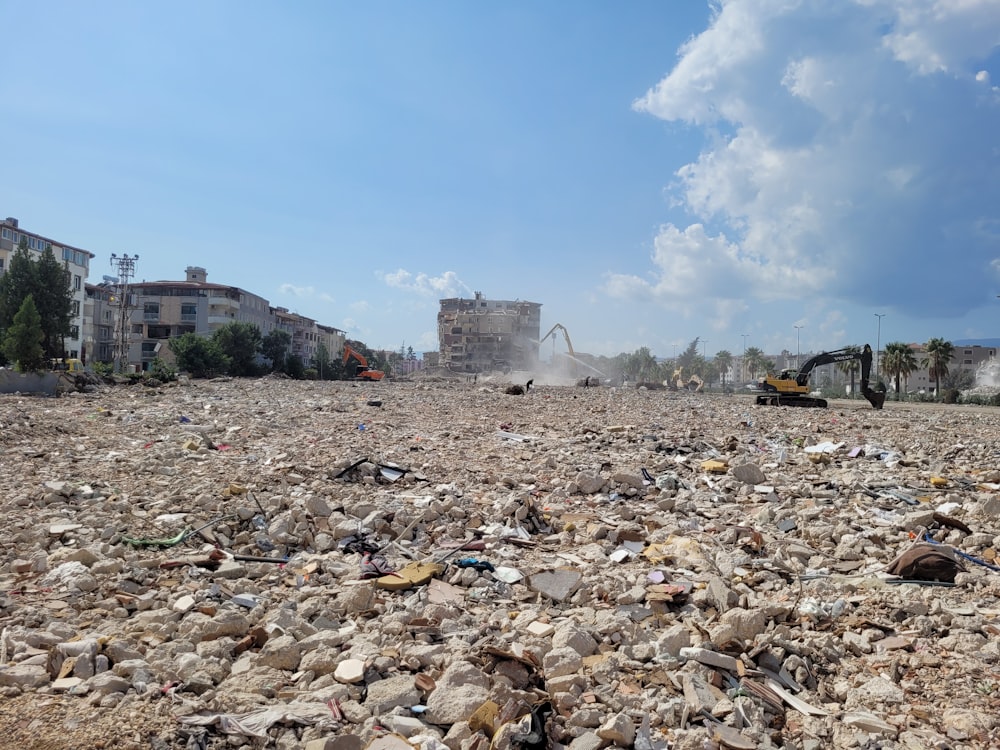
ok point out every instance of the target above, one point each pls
(198, 355)
(240, 342)
(274, 346)
(47, 281)
(898, 362)
(689, 357)
(753, 361)
(322, 361)
(641, 365)
(23, 340)
(938, 356)
(851, 367)
(723, 361)
(294, 367)
(54, 300)
(16, 284)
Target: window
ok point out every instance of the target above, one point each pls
(189, 312)
(77, 282)
(76, 307)
(6, 233)
(74, 332)
(67, 254)
(1, 265)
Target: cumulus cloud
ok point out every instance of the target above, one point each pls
(851, 156)
(446, 285)
(305, 292)
(297, 291)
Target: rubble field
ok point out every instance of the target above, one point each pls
(440, 564)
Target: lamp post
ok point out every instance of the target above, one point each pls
(878, 343)
(743, 363)
(798, 362)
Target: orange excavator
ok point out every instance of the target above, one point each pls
(362, 370)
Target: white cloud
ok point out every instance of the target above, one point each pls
(297, 291)
(847, 151)
(361, 306)
(446, 285)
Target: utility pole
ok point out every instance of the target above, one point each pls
(798, 358)
(743, 364)
(878, 343)
(125, 265)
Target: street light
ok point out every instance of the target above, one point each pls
(878, 342)
(797, 358)
(743, 363)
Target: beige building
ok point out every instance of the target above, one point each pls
(963, 358)
(77, 262)
(479, 334)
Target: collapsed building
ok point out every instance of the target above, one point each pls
(478, 335)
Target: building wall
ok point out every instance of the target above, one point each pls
(481, 334)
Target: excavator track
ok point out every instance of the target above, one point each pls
(776, 399)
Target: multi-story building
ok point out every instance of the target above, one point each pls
(479, 334)
(162, 310)
(963, 358)
(332, 338)
(77, 262)
(99, 322)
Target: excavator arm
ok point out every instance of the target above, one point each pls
(565, 333)
(791, 392)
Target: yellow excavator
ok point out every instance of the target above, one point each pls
(565, 333)
(791, 387)
(693, 383)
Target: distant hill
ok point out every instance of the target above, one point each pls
(977, 342)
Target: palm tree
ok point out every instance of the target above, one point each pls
(938, 356)
(898, 362)
(723, 360)
(642, 364)
(754, 361)
(851, 366)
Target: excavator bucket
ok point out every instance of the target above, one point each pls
(875, 398)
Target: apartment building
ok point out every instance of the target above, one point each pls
(963, 358)
(162, 310)
(99, 322)
(77, 262)
(480, 334)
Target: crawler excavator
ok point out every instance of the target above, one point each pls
(791, 387)
(361, 369)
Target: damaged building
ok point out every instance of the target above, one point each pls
(479, 335)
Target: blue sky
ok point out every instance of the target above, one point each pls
(649, 171)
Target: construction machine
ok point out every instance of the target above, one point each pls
(678, 383)
(791, 387)
(362, 370)
(565, 333)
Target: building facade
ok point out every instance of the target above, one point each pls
(479, 334)
(77, 263)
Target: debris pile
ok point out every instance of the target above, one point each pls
(430, 565)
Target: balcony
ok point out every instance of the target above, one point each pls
(223, 302)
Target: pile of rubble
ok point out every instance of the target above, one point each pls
(435, 565)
